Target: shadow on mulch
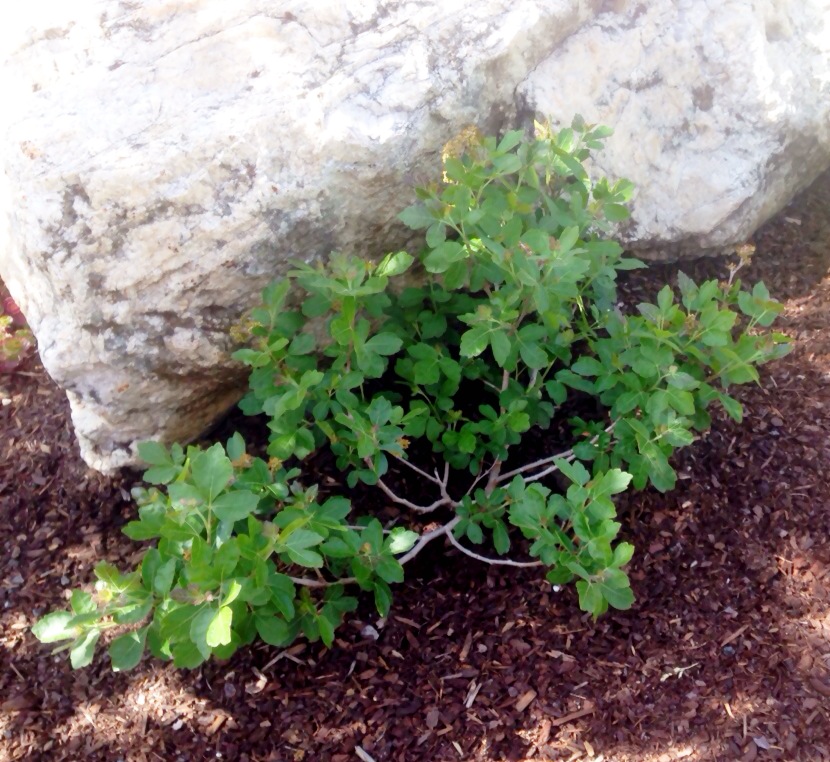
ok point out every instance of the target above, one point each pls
(725, 655)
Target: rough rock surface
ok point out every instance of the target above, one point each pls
(163, 160)
(721, 110)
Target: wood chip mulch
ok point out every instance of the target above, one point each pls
(725, 655)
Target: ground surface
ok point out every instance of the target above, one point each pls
(725, 655)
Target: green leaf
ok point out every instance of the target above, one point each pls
(436, 235)
(683, 381)
(501, 540)
(163, 579)
(383, 597)
(623, 553)
(81, 602)
(661, 474)
(612, 483)
(510, 140)
(133, 613)
(211, 470)
(161, 474)
(326, 631)
(615, 212)
(109, 573)
(83, 649)
(226, 558)
(401, 540)
(533, 356)
(733, 408)
(186, 655)
(665, 298)
(588, 366)
(416, 217)
(500, 344)
(384, 344)
(442, 257)
(52, 628)
(682, 402)
(466, 442)
(556, 391)
(126, 650)
(590, 598)
(154, 453)
(388, 569)
(575, 471)
(273, 630)
(235, 506)
(569, 237)
(199, 625)
(232, 593)
(149, 566)
(630, 263)
(296, 545)
(219, 630)
(688, 290)
(302, 344)
(569, 378)
(235, 447)
(474, 341)
(616, 589)
(394, 264)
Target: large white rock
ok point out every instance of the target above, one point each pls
(721, 110)
(164, 159)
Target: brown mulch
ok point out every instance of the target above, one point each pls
(725, 655)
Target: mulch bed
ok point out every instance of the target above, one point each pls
(725, 655)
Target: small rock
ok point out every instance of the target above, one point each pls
(433, 718)
(761, 742)
(369, 632)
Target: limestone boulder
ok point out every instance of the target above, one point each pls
(164, 160)
(721, 111)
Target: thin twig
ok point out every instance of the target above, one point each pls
(481, 476)
(543, 474)
(567, 455)
(492, 561)
(304, 582)
(427, 538)
(417, 470)
(443, 500)
(442, 485)
(413, 506)
(493, 480)
(495, 469)
(423, 541)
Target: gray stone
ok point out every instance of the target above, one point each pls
(721, 111)
(164, 160)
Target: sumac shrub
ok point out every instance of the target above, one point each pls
(508, 310)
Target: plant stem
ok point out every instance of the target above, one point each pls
(413, 506)
(566, 455)
(417, 470)
(302, 581)
(428, 537)
(491, 561)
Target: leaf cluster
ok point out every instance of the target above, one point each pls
(508, 310)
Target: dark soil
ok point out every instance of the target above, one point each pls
(725, 655)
